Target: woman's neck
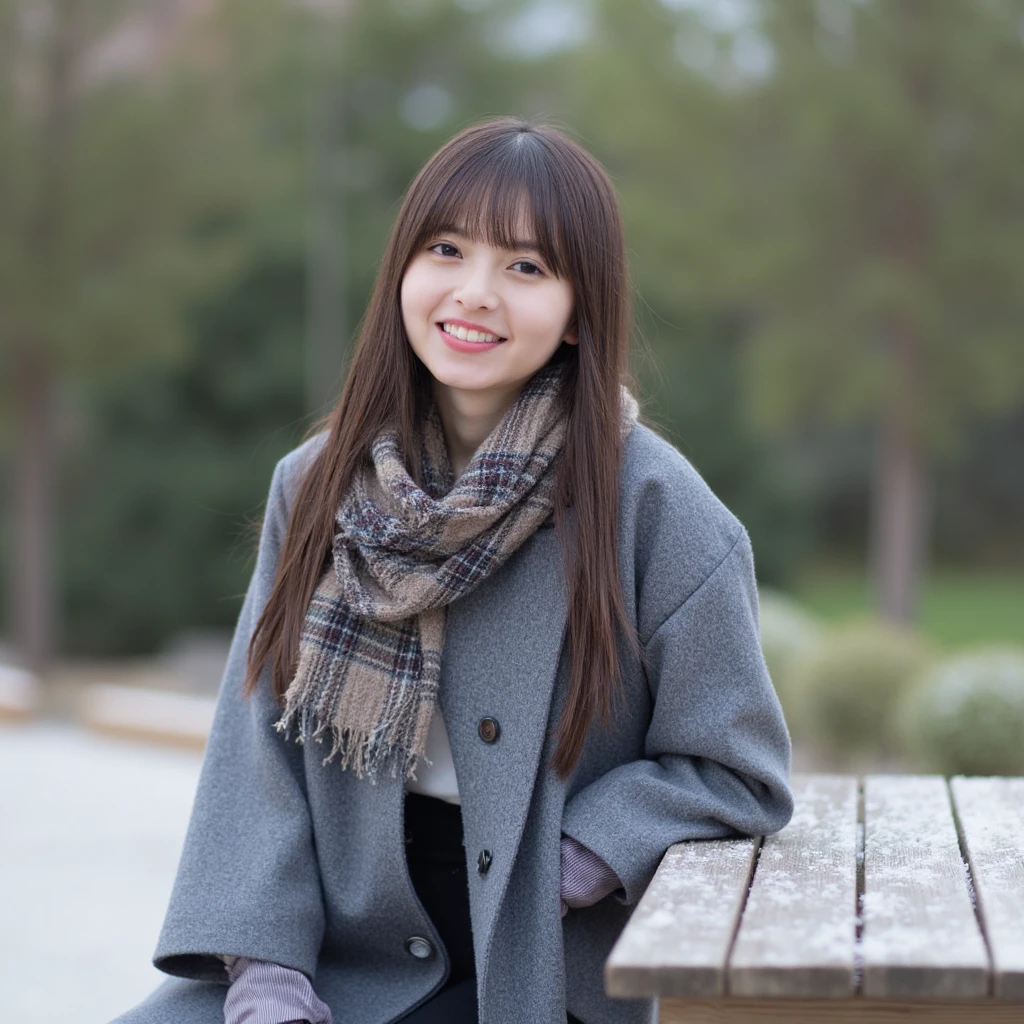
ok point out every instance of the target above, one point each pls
(468, 417)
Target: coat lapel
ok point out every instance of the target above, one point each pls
(500, 661)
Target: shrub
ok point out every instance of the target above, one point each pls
(849, 686)
(965, 715)
(788, 633)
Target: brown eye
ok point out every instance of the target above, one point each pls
(447, 249)
(531, 268)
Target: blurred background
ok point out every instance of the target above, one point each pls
(825, 215)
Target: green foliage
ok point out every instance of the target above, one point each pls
(174, 466)
(959, 607)
(166, 491)
(850, 189)
(656, 131)
(173, 294)
(690, 393)
(966, 714)
(978, 502)
(789, 634)
(107, 171)
(879, 204)
(847, 688)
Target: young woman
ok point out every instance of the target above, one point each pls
(499, 652)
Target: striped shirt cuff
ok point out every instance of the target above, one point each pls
(266, 993)
(586, 878)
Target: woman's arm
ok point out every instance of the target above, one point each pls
(248, 882)
(717, 751)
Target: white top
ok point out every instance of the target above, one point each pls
(438, 777)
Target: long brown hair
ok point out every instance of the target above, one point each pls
(480, 183)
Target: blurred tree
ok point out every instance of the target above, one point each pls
(846, 170)
(167, 460)
(177, 458)
(886, 144)
(661, 129)
(692, 395)
(980, 499)
(170, 484)
(108, 218)
(171, 465)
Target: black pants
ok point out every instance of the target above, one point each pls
(437, 866)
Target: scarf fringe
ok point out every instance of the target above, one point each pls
(360, 752)
(316, 710)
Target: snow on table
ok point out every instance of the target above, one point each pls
(800, 953)
(798, 930)
(921, 937)
(680, 934)
(991, 812)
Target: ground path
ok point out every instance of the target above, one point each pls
(90, 834)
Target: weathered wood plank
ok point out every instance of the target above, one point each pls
(834, 1011)
(677, 941)
(920, 937)
(991, 813)
(798, 931)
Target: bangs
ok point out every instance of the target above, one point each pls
(504, 197)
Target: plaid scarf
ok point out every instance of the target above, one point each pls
(370, 649)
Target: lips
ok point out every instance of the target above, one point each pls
(453, 341)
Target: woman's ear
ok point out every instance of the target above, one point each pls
(570, 337)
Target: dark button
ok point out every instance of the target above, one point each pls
(488, 730)
(483, 862)
(419, 947)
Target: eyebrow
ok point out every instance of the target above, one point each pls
(518, 244)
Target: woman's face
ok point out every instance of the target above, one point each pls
(456, 290)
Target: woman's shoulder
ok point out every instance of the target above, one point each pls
(655, 472)
(664, 501)
(668, 514)
(291, 467)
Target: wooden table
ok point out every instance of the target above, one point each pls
(891, 898)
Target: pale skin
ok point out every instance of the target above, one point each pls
(509, 293)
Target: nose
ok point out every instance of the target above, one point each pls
(475, 288)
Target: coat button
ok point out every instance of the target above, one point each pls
(483, 862)
(419, 947)
(488, 730)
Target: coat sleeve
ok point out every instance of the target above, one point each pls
(717, 751)
(248, 882)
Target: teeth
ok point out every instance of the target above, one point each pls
(467, 335)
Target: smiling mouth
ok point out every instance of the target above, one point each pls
(464, 334)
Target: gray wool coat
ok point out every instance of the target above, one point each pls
(302, 864)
